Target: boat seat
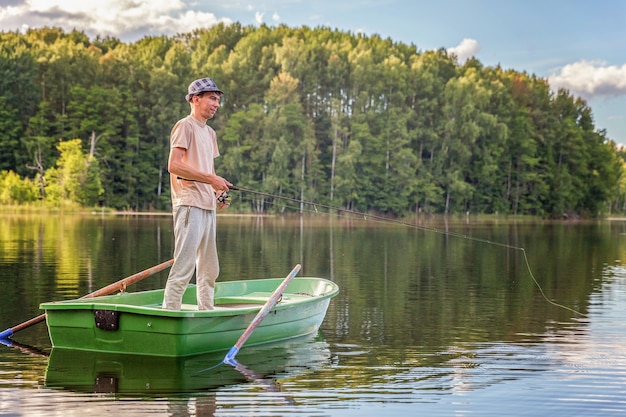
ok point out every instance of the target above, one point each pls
(248, 300)
(252, 298)
(224, 306)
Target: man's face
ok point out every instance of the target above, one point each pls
(207, 104)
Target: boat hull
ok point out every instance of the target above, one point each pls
(135, 322)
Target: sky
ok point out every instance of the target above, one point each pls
(579, 45)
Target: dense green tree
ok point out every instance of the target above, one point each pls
(75, 179)
(314, 114)
(17, 190)
(19, 92)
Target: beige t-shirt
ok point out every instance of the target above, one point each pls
(200, 141)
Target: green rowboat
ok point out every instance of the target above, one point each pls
(135, 323)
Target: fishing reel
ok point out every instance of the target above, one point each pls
(224, 198)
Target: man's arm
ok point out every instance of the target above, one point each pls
(177, 167)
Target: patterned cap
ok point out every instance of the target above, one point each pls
(200, 86)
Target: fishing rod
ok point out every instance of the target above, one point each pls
(225, 198)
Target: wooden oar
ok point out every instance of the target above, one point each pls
(119, 285)
(230, 356)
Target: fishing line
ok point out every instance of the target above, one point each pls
(315, 206)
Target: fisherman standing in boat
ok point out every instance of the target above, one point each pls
(193, 147)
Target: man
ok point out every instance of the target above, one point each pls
(193, 146)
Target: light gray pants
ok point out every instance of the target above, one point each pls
(194, 250)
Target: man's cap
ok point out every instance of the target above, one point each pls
(200, 86)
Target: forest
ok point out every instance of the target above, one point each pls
(356, 122)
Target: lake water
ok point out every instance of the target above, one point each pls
(437, 319)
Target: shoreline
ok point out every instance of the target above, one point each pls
(165, 213)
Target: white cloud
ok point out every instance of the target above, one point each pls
(276, 17)
(591, 79)
(258, 17)
(465, 50)
(108, 17)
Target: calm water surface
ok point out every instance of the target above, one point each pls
(442, 319)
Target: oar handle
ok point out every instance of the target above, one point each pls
(276, 295)
(123, 283)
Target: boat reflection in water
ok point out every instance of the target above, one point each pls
(125, 374)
